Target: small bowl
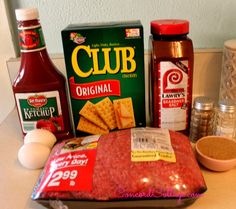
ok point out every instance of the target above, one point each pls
(214, 163)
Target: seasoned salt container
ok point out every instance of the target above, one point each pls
(225, 119)
(171, 74)
(201, 118)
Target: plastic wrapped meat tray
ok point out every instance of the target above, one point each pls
(124, 169)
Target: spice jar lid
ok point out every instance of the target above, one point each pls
(203, 103)
(27, 14)
(169, 27)
(227, 105)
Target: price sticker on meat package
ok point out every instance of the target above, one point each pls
(72, 168)
(151, 144)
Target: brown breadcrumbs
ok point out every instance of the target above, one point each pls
(218, 148)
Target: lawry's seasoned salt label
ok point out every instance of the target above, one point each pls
(173, 95)
(105, 71)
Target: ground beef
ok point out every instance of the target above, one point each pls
(115, 176)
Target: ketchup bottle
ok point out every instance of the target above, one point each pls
(171, 74)
(39, 88)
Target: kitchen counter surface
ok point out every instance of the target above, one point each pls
(17, 182)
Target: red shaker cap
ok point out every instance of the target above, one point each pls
(169, 27)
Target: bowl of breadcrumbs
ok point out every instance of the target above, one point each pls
(216, 153)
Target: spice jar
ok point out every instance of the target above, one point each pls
(225, 119)
(202, 118)
(171, 74)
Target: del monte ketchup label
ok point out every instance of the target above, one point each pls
(40, 110)
(37, 101)
(31, 39)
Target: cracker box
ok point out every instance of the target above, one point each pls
(105, 72)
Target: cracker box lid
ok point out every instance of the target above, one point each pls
(131, 23)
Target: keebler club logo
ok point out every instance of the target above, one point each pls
(77, 38)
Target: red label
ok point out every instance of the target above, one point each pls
(37, 101)
(173, 103)
(72, 171)
(31, 38)
(173, 98)
(94, 89)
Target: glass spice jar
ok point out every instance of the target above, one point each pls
(225, 119)
(202, 118)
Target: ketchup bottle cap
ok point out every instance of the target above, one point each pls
(169, 27)
(27, 14)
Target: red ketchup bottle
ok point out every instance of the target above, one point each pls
(39, 88)
(171, 74)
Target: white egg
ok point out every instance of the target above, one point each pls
(41, 136)
(33, 155)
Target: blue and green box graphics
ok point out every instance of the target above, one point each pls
(105, 72)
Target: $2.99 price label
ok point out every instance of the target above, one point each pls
(63, 177)
(71, 171)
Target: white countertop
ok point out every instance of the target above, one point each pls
(17, 182)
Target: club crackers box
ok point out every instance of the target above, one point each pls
(105, 72)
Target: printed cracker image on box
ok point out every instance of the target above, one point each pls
(105, 72)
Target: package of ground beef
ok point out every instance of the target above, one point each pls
(139, 167)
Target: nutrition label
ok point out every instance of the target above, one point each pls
(151, 145)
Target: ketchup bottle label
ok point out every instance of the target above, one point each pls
(31, 38)
(173, 94)
(40, 110)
